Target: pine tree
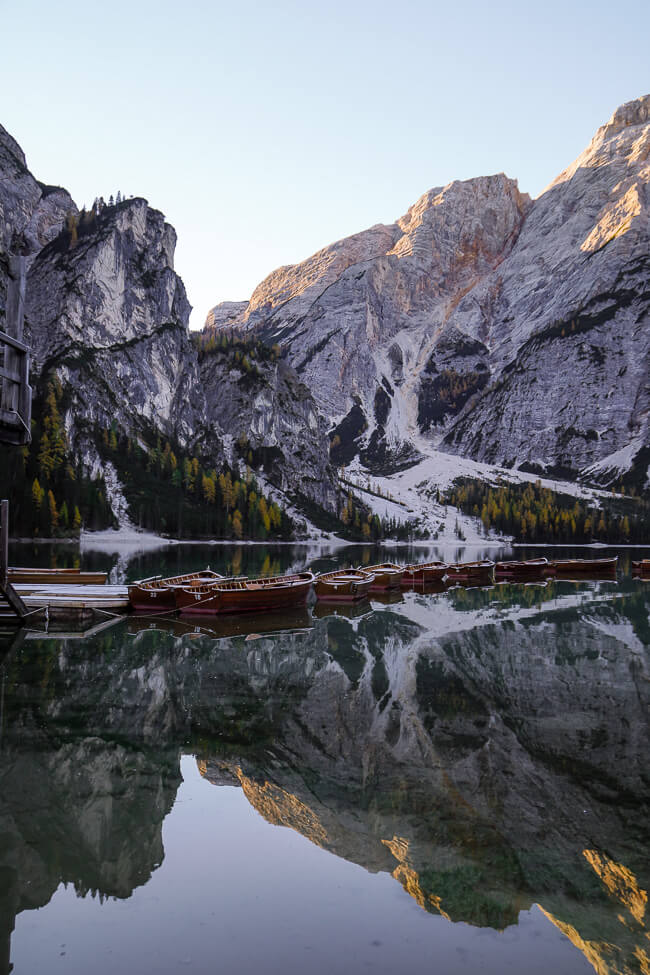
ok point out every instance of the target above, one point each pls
(54, 515)
(37, 494)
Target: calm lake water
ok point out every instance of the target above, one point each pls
(442, 782)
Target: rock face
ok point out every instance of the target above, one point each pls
(360, 317)
(31, 214)
(109, 313)
(510, 330)
(273, 422)
(569, 336)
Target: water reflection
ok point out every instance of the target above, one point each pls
(486, 747)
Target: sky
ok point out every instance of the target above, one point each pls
(265, 131)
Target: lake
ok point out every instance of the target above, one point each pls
(440, 782)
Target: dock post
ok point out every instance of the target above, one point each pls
(6, 589)
(4, 543)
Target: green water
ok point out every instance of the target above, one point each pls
(444, 782)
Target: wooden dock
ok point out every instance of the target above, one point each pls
(67, 601)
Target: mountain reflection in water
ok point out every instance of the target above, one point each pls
(486, 747)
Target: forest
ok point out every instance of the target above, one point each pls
(532, 513)
(168, 491)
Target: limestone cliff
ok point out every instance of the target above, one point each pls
(107, 312)
(31, 214)
(509, 330)
(258, 404)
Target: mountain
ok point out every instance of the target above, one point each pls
(115, 366)
(484, 323)
(482, 333)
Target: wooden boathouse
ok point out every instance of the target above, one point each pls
(15, 414)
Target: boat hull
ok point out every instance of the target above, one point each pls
(521, 570)
(422, 574)
(641, 569)
(344, 587)
(56, 576)
(247, 597)
(584, 567)
(160, 595)
(478, 572)
(386, 576)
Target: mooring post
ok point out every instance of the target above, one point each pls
(6, 589)
(4, 543)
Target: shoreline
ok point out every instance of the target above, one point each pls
(147, 540)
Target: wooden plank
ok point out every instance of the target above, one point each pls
(14, 343)
(69, 589)
(9, 417)
(4, 542)
(12, 375)
(73, 603)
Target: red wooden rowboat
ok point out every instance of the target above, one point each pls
(423, 572)
(471, 571)
(246, 595)
(520, 570)
(343, 585)
(583, 567)
(387, 575)
(641, 568)
(160, 594)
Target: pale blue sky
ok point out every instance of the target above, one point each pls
(265, 131)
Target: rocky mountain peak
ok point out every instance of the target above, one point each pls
(622, 144)
(475, 216)
(636, 112)
(10, 152)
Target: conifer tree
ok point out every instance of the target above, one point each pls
(54, 515)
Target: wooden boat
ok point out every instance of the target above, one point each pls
(343, 585)
(387, 575)
(482, 571)
(423, 572)
(520, 570)
(584, 567)
(245, 595)
(18, 575)
(160, 594)
(641, 568)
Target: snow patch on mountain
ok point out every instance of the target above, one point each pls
(413, 495)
